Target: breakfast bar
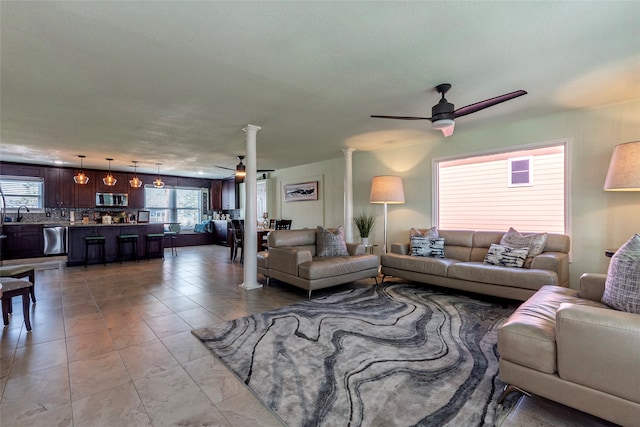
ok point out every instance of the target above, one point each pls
(110, 232)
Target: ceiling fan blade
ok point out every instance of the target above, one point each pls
(224, 167)
(401, 117)
(265, 170)
(487, 103)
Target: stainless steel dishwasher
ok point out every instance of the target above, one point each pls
(55, 240)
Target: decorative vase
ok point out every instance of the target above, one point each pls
(364, 240)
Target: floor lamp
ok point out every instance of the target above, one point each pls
(386, 189)
(624, 168)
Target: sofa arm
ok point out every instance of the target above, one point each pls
(356, 249)
(400, 248)
(598, 348)
(557, 262)
(287, 260)
(592, 286)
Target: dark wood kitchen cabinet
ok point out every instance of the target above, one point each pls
(216, 195)
(58, 188)
(136, 195)
(85, 194)
(22, 241)
(229, 194)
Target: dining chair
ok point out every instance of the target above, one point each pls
(238, 239)
(283, 224)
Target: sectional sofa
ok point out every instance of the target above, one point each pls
(293, 257)
(463, 268)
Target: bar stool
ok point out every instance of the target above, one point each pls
(94, 241)
(155, 237)
(171, 235)
(123, 239)
(13, 288)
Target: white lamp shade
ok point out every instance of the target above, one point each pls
(387, 189)
(624, 168)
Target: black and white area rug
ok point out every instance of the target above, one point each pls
(389, 355)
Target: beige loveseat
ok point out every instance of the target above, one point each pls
(565, 345)
(292, 259)
(462, 266)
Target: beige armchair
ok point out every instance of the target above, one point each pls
(566, 346)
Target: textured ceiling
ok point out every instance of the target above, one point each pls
(175, 82)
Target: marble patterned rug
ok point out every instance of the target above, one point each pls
(389, 355)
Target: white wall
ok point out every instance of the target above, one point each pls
(599, 219)
(327, 211)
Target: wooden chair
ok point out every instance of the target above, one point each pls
(283, 224)
(238, 239)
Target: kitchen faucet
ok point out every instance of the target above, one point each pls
(19, 218)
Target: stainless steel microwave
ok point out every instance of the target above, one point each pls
(112, 199)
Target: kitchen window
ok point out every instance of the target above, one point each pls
(174, 205)
(22, 191)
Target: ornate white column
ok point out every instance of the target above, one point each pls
(250, 249)
(348, 193)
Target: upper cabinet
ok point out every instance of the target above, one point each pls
(58, 188)
(216, 195)
(136, 195)
(229, 194)
(85, 194)
(16, 169)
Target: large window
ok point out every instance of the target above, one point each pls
(174, 205)
(22, 191)
(524, 189)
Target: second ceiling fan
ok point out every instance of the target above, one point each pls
(443, 114)
(240, 170)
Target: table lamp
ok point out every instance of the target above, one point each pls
(624, 168)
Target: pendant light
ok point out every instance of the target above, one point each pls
(158, 182)
(80, 177)
(109, 180)
(135, 182)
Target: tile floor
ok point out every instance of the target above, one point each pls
(111, 346)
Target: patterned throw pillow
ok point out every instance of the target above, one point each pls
(534, 243)
(414, 232)
(506, 256)
(427, 246)
(622, 287)
(330, 242)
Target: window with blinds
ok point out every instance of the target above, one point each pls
(497, 191)
(22, 191)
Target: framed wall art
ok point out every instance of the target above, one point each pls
(301, 192)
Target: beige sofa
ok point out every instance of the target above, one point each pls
(462, 267)
(291, 258)
(565, 345)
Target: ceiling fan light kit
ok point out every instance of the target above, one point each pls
(444, 113)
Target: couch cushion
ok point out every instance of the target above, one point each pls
(534, 243)
(280, 238)
(622, 287)
(427, 246)
(505, 276)
(506, 256)
(425, 265)
(322, 267)
(330, 242)
(528, 337)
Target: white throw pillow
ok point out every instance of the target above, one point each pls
(427, 246)
(506, 256)
(622, 287)
(534, 243)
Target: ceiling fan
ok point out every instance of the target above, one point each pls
(443, 113)
(240, 170)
